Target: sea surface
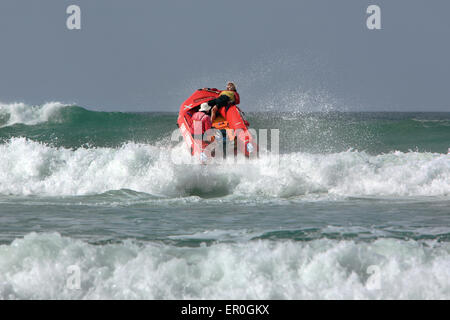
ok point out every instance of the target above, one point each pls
(93, 206)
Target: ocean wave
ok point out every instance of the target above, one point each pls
(72, 126)
(21, 113)
(49, 266)
(32, 168)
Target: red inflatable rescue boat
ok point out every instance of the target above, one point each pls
(230, 123)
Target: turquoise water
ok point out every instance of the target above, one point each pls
(357, 207)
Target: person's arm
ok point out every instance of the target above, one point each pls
(237, 99)
(213, 113)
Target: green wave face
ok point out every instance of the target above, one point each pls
(375, 133)
(73, 127)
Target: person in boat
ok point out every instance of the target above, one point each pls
(226, 98)
(201, 121)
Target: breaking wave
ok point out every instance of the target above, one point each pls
(49, 266)
(20, 113)
(28, 167)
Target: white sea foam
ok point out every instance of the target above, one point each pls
(15, 113)
(39, 267)
(31, 168)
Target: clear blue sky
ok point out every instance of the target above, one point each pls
(142, 55)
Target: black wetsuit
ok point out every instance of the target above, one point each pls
(221, 101)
